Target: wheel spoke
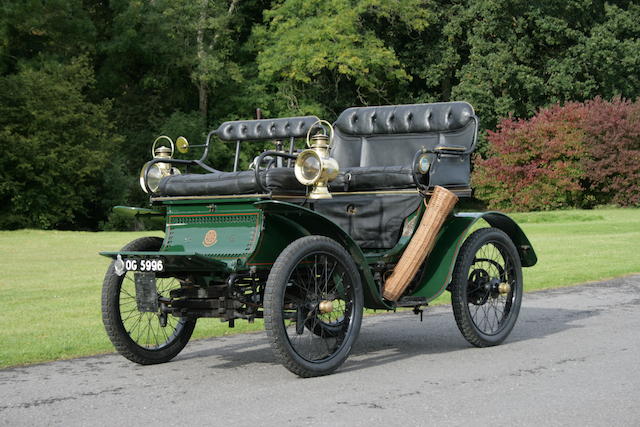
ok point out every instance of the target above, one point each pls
(144, 328)
(319, 277)
(488, 309)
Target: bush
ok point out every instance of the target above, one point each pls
(533, 164)
(576, 155)
(612, 170)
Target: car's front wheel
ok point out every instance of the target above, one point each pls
(142, 337)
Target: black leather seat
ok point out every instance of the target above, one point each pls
(241, 182)
(283, 180)
(374, 147)
(390, 135)
(217, 183)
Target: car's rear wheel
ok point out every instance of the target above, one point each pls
(142, 337)
(313, 306)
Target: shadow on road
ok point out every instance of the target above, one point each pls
(439, 334)
(394, 337)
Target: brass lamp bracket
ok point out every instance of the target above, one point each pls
(314, 167)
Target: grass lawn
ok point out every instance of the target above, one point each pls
(51, 283)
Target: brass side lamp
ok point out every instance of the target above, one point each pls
(152, 173)
(314, 167)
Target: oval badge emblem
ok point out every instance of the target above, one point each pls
(210, 238)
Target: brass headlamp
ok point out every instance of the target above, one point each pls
(151, 172)
(314, 166)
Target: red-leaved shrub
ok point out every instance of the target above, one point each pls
(612, 169)
(576, 155)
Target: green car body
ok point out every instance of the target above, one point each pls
(252, 232)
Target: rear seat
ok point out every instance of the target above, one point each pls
(375, 147)
(389, 136)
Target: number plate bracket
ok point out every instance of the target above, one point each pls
(146, 292)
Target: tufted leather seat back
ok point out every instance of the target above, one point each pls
(391, 135)
(263, 129)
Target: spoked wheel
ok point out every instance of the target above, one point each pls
(142, 337)
(487, 287)
(313, 306)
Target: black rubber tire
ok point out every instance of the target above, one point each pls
(111, 316)
(463, 287)
(274, 305)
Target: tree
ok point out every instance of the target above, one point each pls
(174, 44)
(61, 29)
(184, 66)
(512, 57)
(57, 149)
(321, 56)
(523, 55)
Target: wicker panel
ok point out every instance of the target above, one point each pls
(421, 244)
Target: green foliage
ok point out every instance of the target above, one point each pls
(323, 55)
(511, 57)
(604, 60)
(170, 44)
(29, 28)
(184, 66)
(55, 154)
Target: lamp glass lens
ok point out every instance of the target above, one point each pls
(310, 167)
(153, 177)
(423, 164)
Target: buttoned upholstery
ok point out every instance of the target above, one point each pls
(391, 135)
(256, 130)
(374, 147)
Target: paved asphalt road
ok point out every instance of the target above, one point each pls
(572, 359)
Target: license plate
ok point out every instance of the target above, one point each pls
(145, 265)
(139, 264)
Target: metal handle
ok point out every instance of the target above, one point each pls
(161, 137)
(313, 126)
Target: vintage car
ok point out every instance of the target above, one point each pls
(308, 238)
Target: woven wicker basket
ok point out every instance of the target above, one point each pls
(421, 244)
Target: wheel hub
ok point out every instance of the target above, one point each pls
(479, 287)
(504, 288)
(325, 306)
(162, 318)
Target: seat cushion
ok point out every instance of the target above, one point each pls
(207, 184)
(373, 178)
(283, 180)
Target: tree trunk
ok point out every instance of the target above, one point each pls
(203, 89)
